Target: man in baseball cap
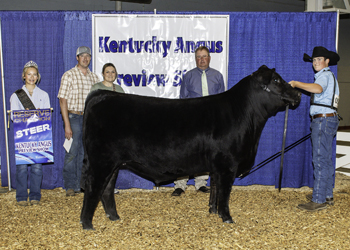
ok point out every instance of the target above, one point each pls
(75, 86)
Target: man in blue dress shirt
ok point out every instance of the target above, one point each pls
(198, 82)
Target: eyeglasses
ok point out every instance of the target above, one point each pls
(200, 57)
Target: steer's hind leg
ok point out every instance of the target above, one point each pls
(224, 185)
(97, 178)
(213, 201)
(108, 200)
(91, 199)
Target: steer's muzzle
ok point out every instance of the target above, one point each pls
(292, 97)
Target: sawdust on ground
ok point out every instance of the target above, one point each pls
(153, 219)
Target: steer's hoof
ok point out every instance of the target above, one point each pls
(113, 217)
(213, 211)
(229, 221)
(88, 228)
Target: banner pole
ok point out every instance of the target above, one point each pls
(5, 113)
(337, 33)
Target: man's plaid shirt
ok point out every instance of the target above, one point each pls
(75, 87)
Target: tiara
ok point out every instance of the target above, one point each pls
(31, 64)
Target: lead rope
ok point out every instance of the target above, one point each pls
(283, 147)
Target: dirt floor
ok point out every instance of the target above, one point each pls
(153, 219)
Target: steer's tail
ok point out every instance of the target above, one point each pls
(84, 171)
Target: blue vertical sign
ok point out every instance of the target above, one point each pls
(33, 136)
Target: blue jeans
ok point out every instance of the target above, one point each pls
(36, 174)
(323, 131)
(73, 161)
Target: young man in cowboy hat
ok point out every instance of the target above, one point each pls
(323, 111)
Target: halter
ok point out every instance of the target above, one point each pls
(265, 88)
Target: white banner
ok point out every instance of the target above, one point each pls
(153, 52)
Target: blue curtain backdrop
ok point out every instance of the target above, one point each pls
(36, 36)
(277, 40)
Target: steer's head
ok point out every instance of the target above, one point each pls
(277, 88)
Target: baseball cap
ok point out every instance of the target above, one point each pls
(83, 49)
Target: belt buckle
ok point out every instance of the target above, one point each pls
(76, 112)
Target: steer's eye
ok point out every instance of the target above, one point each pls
(276, 80)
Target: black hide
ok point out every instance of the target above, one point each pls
(163, 139)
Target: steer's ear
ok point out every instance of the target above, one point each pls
(259, 72)
(263, 76)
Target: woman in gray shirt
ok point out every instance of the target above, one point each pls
(109, 73)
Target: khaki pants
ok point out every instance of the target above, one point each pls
(199, 181)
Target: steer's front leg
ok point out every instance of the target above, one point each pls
(213, 202)
(225, 182)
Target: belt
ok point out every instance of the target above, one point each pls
(76, 112)
(323, 115)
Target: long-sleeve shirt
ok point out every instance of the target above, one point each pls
(40, 99)
(191, 85)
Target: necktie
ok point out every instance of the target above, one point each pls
(205, 91)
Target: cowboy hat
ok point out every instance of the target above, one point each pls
(320, 51)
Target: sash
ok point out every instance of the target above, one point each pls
(24, 99)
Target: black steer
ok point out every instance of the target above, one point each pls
(162, 139)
